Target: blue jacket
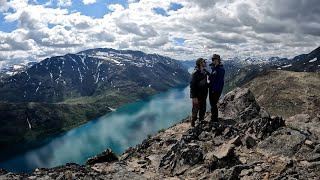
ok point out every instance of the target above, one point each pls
(216, 79)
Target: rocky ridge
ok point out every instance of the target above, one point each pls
(287, 93)
(246, 143)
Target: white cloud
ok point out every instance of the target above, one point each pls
(231, 28)
(88, 2)
(64, 3)
(116, 7)
(3, 5)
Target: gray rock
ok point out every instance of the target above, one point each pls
(257, 169)
(180, 157)
(245, 172)
(303, 122)
(309, 143)
(107, 156)
(249, 141)
(240, 105)
(224, 150)
(284, 142)
(264, 113)
(317, 148)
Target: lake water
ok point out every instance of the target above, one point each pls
(118, 130)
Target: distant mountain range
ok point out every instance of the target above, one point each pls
(62, 92)
(90, 73)
(300, 63)
(14, 69)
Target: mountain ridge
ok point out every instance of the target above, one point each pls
(63, 92)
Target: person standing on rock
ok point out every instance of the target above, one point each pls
(216, 84)
(199, 90)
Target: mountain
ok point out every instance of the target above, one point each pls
(14, 69)
(91, 73)
(246, 143)
(305, 62)
(63, 92)
(301, 63)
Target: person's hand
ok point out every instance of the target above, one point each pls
(195, 100)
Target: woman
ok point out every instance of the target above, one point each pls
(199, 90)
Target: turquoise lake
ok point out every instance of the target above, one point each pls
(128, 126)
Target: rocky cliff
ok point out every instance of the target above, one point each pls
(246, 143)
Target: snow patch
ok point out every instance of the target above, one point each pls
(112, 109)
(82, 60)
(286, 66)
(38, 87)
(138, 64)
(81, 77)
(17, 67)
(313, 60)
(72, 59)
(50, 76)
(29, 123)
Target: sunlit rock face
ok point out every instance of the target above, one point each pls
(257, 147)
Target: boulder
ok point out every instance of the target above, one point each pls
(239, 104)
(107, 156)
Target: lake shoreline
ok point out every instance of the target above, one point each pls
(38, 145)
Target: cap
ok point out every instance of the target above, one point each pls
(199, 60)
(216, 56)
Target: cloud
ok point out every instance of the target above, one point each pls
(86, 2)
(231, 38)
(116, 7)
(3, 5)
(246, 15)
(151, 42)
(64, 3)
(233, 28)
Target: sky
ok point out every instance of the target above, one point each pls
(32, 30)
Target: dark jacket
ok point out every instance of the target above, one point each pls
(217, 79)
(199, 84)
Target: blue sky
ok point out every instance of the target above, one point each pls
(31, 30)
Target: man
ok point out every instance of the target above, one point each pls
(199, 90)
(215, 85)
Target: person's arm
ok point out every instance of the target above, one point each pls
(193, 86)
(219, 81)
